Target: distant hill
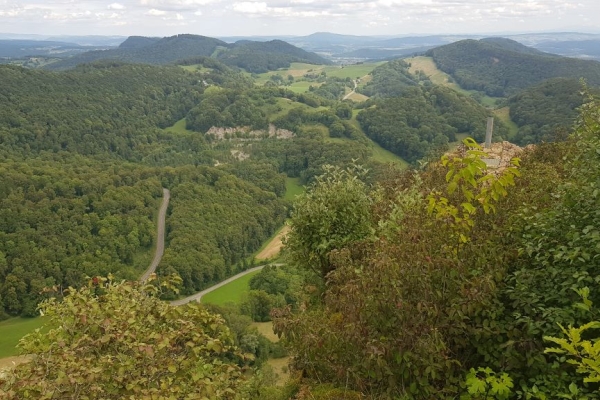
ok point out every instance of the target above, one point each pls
(252, 56)
(261, 57)
(19, 48)
(573, 48)
(136, 42)
(502, 67)
(382, 54)
(148, 51)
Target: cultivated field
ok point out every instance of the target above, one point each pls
(230, 293)
(274, 246)
(12, 330)
(298, 70)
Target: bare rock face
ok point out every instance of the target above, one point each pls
(500, 154)
(244, 133)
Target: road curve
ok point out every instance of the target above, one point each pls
(198, 296)
(160, 236)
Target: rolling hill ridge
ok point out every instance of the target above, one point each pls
(252, 56)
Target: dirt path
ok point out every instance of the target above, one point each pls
(355, 81)
(353, 90)
(160, 236)
(274, 246)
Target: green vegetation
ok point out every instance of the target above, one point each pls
(256, 57)
(546, 112)
(384, 156)
(166, 350)
(233, 292)
(390, 80)
(503, 67)
(12, 330)
(423, 120)
(293, 188)
(436, 283)
(433, 301)
(179, 127)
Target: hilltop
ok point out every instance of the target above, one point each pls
(249, 55)
(502, 67)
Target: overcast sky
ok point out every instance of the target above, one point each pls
(295, 17)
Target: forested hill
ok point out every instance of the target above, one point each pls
(259, 57)
(502, 67)
(252, 56)
(546, 110)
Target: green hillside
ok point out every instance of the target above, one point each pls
(251, 56)
(503, 67)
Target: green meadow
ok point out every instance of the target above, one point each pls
(12, 330)
(233, 292)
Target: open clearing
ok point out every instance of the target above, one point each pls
(266, 329)
(230, 293)
(179, 127)
(12, 330)
(427, 65)
(298, 70)
(273, 248)
(279, 365)
(292, 188)
(503, 114)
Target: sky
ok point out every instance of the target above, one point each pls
(296, 17)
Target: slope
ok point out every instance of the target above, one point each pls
(252, 56)
(501, 67)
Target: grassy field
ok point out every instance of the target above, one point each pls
(230, 293)
(179, 127)
(503, 114)
(302, 86)
(12, 330)
(427, 65)
(293, 188)
(298, 70)
(384, 156)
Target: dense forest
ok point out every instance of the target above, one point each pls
(423, 119)
(544, 112)
(252, 56)
(441, 282)
(503, 67)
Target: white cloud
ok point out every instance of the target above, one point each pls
(249, 7)
(176, 4)
(116, 6)
(156, 13)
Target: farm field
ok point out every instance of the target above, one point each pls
(230, 293)
(298, 70)
(12, 330)
(273, 246)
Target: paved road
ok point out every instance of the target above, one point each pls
(198, 296)
(160, 236)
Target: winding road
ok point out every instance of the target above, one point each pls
(198, 296)
(160, 236)
(160, 249)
